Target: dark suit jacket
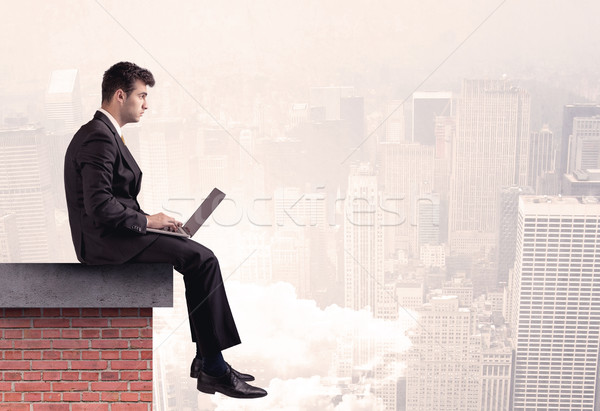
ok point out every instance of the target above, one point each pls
(102, 181)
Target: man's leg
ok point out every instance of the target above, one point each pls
(211, 321)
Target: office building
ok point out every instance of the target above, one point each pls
(426, 106)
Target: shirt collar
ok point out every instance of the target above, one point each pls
(112, 120)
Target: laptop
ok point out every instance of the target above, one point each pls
(197, 219)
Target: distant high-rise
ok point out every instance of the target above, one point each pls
(569, 113)
(63, 102)
(425, 108)
(363, 240)
(395, 128)
(26, 191)
(541, 157)
(507, 228)
(584, 144)
(490, 152)
(330, 99)
(554, 307)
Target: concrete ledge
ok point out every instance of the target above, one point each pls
(78, 285)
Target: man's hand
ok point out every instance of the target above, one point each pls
(162, 220)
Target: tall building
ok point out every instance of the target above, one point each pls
(569, 113)
(507, 228)
(427, 105)
(63, 104)
(584, 144)
(395, 126)
(554, 306)
(363, 241)
(490, 152)
(542, 156)
(330, 99)
(26, 190)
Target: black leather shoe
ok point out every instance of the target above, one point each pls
(197, 367)
(229, 385)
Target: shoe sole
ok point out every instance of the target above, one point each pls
(207, 390)
(197, 374)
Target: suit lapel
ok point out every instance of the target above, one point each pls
(125, 153)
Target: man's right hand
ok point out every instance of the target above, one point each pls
(161, 221)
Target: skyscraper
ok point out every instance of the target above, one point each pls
(554, 306)
(490, 152)
(542, 156)
(584, 144)
(426, 107)
(569, 113)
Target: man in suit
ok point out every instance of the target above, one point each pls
(102, 181)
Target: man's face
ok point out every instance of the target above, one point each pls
(134, 106)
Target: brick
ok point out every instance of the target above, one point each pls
(32, 386)
(49, 365)
(15, 323)
(146, 333)
(89, 376)
(32, 334)
(70, 333)
(6, 386)
(129, 312)
(141, 344)
(51, 355)
(15, 365)
(146, 312)
(129, 375)
(110, 355)
(146, 396)
(109, 312)
(90, 355)
(71, 355)
(146, 354)
(114, 344)
(131, 407)
(14, 407)
(141, 386)
(131, 333)
(66, 344)
(51, 312)
(51, 407)
(128, 365)
(32, 355)
(69, 376)
(13, 312)
(90, 312)
(50, 333)
(89, 365)
(13, 376)
(130, 355)
(6, 344)
(32, 376)
(13, 334)
(129, 322)
(90, 407)
(146, 375)
(129, 396)
(13, 396)
(51, 323)
(89, 322)
(110, 386)
(71, 312)
(13, 355)
(32, 344)
(90, 396)
(109, 376)
(110, 396)
(71, 396)
(52, 376)
(110, 333)
(90, 333)
(32, 312)
(53, 397)
(70, 386)
(32, 396)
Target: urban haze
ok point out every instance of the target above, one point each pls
(413, 188)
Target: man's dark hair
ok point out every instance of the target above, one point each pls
(123, 76)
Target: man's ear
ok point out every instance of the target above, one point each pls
(120, 95)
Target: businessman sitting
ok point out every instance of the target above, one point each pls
(102, 181)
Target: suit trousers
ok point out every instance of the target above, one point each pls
(211, 321)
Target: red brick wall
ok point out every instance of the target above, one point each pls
(76, 359)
